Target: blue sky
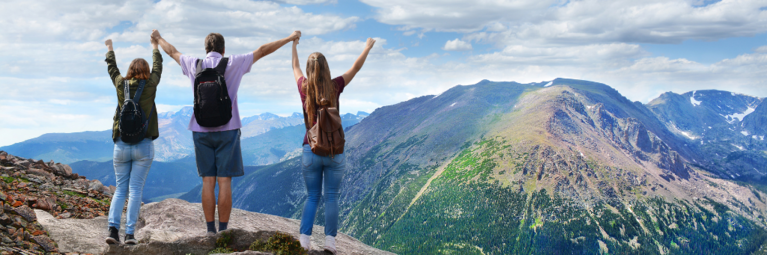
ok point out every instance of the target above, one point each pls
(54, 78)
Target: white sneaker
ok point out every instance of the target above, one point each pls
(330, 244)
(306, 242)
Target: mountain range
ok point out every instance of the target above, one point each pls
(566, 166)
(563, 166)
(175, 141)
(266, 139)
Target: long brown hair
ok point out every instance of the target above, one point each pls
(319, 89)
(138, 69)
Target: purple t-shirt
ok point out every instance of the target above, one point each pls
(340, 84)
(238, 66)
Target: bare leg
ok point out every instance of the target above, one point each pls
(209, 198)
(224, 198)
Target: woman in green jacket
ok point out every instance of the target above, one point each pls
(132, 161)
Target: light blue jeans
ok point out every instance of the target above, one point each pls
(318, 170)
(132, 163)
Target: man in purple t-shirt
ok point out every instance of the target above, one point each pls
(217, 149)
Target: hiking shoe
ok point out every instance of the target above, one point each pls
(130, 239)
(330, 244)
(114, 237)
(306, 242)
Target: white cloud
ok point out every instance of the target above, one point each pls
(563, 55)
(454, 15)
(301, 2)
(457, 45)
(55, 51)
(24, 120)
(578, 22)
(53, 38)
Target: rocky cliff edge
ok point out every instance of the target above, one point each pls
(175, 226)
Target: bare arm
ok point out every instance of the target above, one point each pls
(154, 42)
(167, 47)
(349, 75)
(296, 66)
(268, 48)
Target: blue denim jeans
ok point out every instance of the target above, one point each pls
(132, 163)
(318, 171)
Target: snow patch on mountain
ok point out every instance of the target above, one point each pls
(549, 84)
(687, 134)
(739, 116)
(693, 101)
(744, 132)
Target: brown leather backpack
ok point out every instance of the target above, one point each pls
(326, 137)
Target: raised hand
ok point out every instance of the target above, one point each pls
(156, 34)
(108, 43)
(370, 43)
(295, 35)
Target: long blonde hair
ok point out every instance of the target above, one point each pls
(319, 88)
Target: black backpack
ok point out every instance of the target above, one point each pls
(212, 105)
(133, 123)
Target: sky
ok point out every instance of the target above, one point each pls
(53, 78)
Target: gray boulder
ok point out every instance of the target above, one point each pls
(175, 226)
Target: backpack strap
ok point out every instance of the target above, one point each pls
(148, 117)
(221, 67)
(199, 67)
(126, 90)
(140, 90)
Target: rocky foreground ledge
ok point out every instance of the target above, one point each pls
(175, 226)
(27, 184)
(46, 209)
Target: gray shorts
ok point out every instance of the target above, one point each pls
(218, 153)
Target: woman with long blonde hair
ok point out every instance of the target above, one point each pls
(318, 90)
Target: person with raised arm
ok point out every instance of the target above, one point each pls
(317, 91)
(134, 128)
(216, 124)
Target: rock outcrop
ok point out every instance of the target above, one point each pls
(175, 226)
(29, 184)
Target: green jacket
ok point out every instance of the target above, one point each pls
(147, 97)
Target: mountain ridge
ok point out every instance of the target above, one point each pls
(175, 141)
(533, 154)
(563, 165)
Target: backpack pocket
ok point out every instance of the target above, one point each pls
(210, 100)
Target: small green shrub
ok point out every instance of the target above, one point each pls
(222, 244)
(224, 241)
(220, 250)
(72, 193)
(280, 244)
(63, 205)
(258, 245)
